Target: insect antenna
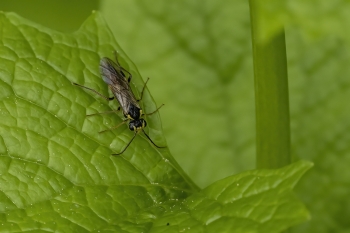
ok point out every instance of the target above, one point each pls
(108, 112)
(152, 141)
(126, 145)
(121, 68)
(105, 97)
(114, 127)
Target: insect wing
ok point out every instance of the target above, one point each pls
(109, 71)
(112, 75)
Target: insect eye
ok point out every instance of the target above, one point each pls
(131, 126)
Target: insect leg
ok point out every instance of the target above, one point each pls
(130, 75)
(126, 145)
(116, 58)
(144, 86)
(154, 110)
(99, 113)
(121, 68)
(122, 123)
(152, 141)
(105, 97)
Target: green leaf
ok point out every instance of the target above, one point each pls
(198, 56)
(253, 201)
(203, 49)
(57, 172)
(53, 158)
(320, 120)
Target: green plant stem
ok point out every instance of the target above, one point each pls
(271, 94)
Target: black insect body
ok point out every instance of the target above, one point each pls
(113, 74)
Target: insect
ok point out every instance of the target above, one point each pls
(118, 80)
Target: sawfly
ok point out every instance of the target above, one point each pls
(118, 80)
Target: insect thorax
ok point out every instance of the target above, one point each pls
(134, 112)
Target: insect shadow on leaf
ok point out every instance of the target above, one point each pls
(118, 80)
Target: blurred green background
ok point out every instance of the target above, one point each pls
(198, 56)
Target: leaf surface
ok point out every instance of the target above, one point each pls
(57, 172)
(204, 50)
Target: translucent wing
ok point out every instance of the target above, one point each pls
(113, 75)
